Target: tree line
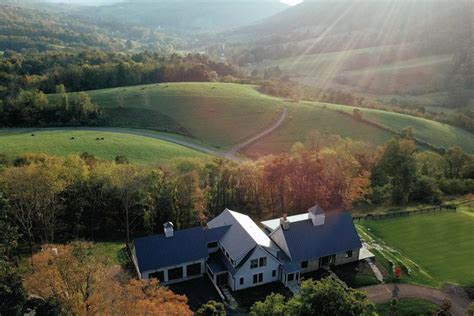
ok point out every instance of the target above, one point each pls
(93, 69)
(47, 199)
(32, 108)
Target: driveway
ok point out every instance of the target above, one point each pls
(383, 293)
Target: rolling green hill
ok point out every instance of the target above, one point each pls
(222, 115)
(432, 132)
(218, 114)
(137, 149)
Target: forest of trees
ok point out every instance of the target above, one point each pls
(26, 27)
(31, 108)
(48, 199)
(92, 69)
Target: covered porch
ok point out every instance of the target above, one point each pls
(217, 271)
(290, 274)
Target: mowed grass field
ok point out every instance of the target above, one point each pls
(435, 133)
(442, 244)
(224, 114)
(138, 149)
(217, 114)
(304, 118)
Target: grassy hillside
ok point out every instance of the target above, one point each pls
(440, 245)
(223, 115)
(435, 133)
(382, 70)
(218, 114)
(304, 118)
(137, 149)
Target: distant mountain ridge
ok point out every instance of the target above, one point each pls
(188, 16)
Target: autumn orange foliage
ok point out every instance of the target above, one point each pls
(87, 286)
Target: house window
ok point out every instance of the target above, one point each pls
(274, 273)
(193, 269)
(212, 245)
(349, 254)
(257, 278)
(175, 273)
(304, 264)
(291, 277)
(253, 263)
(159, 275)
(263, 261)
(241, 281)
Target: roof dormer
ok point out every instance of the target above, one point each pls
(317, 216)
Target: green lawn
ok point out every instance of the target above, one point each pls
(408, 307)
(222, 115)
(431, 249)
(303, 118)
(137, 149)
(435, 133)
(217, 114)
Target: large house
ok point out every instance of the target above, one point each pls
(236, 253)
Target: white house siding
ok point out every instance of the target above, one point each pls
(145, 275)
(247, 273)
(341, 257)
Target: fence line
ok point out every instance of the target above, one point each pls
(428, 210)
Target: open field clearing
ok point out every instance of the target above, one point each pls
(435, 133)
(223, 115)
(431, 249)
(304, 119)
(137, 149)
(217, 114)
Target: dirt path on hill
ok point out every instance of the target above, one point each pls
(231, 154)
(383, 293)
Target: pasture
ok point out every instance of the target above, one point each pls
(217, 114)
(223, 114)
(432, 249)
(435, 133)
(305, 118)
(138, 149)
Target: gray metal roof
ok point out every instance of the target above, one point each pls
(242, 236)
(306, 241)
(273, 224)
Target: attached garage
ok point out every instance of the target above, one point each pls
(193, 269)
(175, 273)
(159, 275)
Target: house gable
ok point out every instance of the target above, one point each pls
(260, 264)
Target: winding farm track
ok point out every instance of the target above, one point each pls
(230, 154)
(235, 149)
(383, 293)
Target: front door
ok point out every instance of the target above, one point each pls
(222, 279)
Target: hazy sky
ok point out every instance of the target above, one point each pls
(291, 2)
